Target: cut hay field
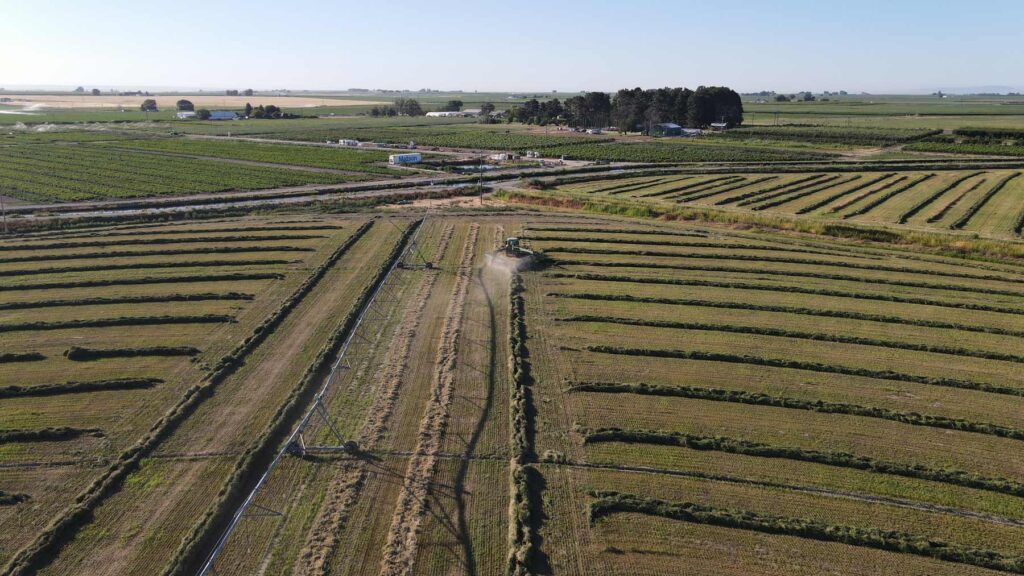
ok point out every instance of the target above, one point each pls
(750, 403)
(986, 201)
(141, 367)
(645, 395)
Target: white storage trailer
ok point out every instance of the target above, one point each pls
(411, 158)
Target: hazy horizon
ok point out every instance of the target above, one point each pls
(914, 47)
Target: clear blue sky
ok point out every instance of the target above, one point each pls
(785, 45)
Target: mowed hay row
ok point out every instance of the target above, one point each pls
(400, 551)
(920, 309)
(661, 263)
(367, 416)
(898, 365)
(951, 342)
(808, 436)
(822, 507)
(132, 500)
(641, 544)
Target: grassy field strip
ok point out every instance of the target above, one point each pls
(925, 323)
(162, 252)
(814, 336)
(687, 186)
(608, 503)
(765, 196)
(713, 184)
(345, 487)
(785, 196)
(850, 201)
(957, 272)
(400, 549)
(891, 193)
(644, 242)
(152, 241)
(729, 188)
(962, 221)
(955, 201)
(761, 399)
(671, 182)
(146, 266)
(810, 367)
(631, 187)
(790, 289)
(815, 490)
(792, 196)
(781, 186)
(772, 259)
(837, 459)
(789, 273)
(542, 229)
(842, 194)
(929, 200)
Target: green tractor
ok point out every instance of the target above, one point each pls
(514, 248)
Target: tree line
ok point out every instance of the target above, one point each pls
(636, 109)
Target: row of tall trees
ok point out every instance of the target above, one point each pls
(636, 109)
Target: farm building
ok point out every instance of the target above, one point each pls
(444, 114)
(410, 158)
(719, 126)
(185, 115)
(345, 142)
(472, 112)
(691, 132)
(503, 157)
(667, 129)
(223, 115)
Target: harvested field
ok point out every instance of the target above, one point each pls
(984, 201)
(648, 394)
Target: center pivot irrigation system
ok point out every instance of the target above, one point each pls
(378, 307)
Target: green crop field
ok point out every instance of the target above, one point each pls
(54, 172)
(314, 157)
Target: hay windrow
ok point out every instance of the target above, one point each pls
(343, 490)
(400, 550)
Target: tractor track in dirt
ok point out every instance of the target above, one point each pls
(400, 549)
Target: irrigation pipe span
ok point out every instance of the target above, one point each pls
(208, 568)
